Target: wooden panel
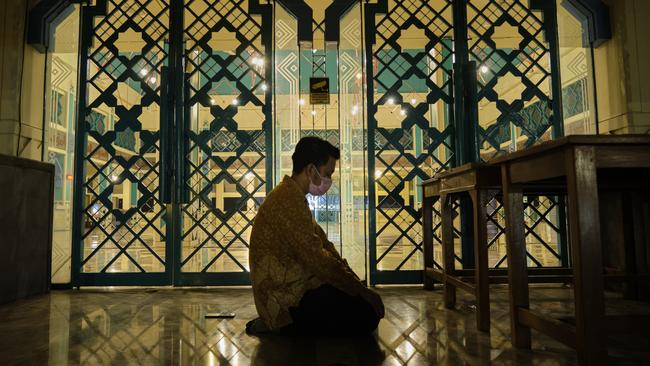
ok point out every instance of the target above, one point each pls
(513, 203)
(431, 189)
(427, 239)
(457, 282)
(537, 168)
(26, 217)
(458, 183)
(623, 156)
(448, 260)
(434, 273)
(479, 202)
(586, 255)
(557, 329)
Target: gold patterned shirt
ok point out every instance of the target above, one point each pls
(290, 254)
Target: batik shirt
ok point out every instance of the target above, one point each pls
(290, 254)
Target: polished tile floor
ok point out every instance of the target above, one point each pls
(140, 326)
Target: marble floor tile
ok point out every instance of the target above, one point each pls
(143, 326)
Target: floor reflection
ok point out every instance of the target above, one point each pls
(167, 326)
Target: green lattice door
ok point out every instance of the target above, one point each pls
(173, 140)
(178, 140)
(451, 82)
(226, 145)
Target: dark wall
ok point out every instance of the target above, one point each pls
(26, 199)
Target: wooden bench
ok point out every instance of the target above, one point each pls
(476, 181)
(579, 166)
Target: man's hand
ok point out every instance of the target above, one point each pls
(375, 301)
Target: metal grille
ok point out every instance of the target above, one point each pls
(409, 122)
(507, 39)
(230, 119)
(123, 227)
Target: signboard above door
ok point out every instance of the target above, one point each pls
(319, 90)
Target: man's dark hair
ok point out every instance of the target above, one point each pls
(312, 150)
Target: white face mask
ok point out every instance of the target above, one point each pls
(325, 184)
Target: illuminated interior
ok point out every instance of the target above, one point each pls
(246, 104)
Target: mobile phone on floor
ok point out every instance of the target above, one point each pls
(220, 315)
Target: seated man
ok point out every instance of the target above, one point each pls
(300, 282)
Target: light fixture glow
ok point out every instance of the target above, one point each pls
(485, 69)
(213, 101)
(402, 112)
(413, 100)
(152, 80)
(359, 76)
(114, 178)
(378, 174)
(301, 101)
(144, 72)
(235, 101)
(391, 101)
(264, 87)
(313, 113)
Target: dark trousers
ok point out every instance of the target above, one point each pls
(327, 310)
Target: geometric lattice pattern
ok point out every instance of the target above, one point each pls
(513, 72)
(410, 144)
(542, 231)
(226, 142)
(123, 226)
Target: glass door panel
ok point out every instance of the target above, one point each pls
(228, 120)
(518, 106)
(409, 62)
(352, 166)
(122, 227)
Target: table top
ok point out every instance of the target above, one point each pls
(576, 140)
(463, 178)
(453, 171)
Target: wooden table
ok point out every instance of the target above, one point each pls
(476, 181)
(579, 166)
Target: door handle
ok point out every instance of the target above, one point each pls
(165, 139)
(182, 137)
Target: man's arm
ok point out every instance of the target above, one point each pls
(294, 225)
(329, 246)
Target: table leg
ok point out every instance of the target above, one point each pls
(586, 255)
(635, 246)
(448, 261)
(513, 203)
(427, 238)
(482, 282)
